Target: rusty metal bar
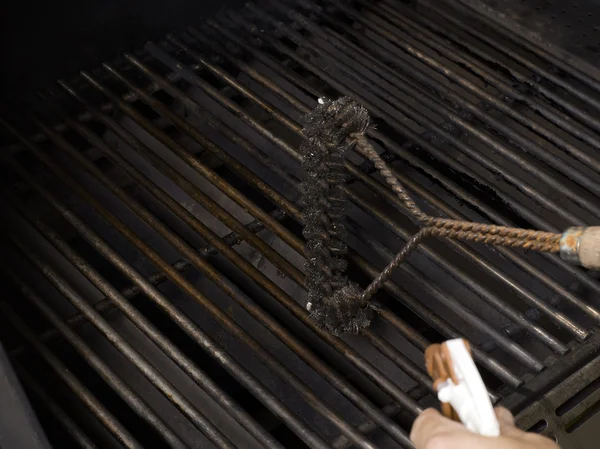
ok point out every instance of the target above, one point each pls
(406, 65)
(418, 117)
(277, 329)
(168, 348)
(57, 412)
(96, 407)
(129, 396)
(155, 378)
(224, 320)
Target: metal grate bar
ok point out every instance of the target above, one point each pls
(95, 406)
(278, 330)
(217, 313)
(154, 334)
(87, 353)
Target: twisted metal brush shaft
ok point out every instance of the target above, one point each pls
(540, 240)
(468, 236)
(363, 145)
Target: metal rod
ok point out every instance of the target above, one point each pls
(57, 412)
(219, 315)
(106, 418)
(336, 343)
(157, 379)
(556, 118)
(129, 396)
(418, 117)
(408, 67)
(168, 348)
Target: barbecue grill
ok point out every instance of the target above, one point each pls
(153, 259)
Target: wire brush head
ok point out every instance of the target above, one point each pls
(333, 121)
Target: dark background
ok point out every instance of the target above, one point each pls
(41, 41)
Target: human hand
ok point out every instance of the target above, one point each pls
(431, 430)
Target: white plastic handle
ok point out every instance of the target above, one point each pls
(469, 398)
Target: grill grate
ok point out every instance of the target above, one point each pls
(152, 221)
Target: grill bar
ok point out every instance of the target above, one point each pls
(95, 406)
(119, 300)
(87, 353)
(278, 330)
(317, 404)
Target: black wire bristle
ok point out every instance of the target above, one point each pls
(334, 302)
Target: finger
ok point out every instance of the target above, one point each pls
(431, 424)
(424, 421)
(505, 417)
(506, 420)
